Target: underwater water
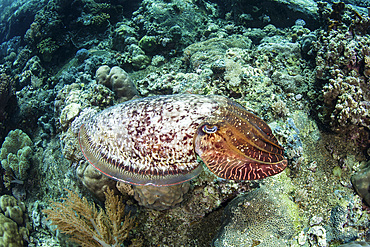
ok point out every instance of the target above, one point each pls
(185, 123)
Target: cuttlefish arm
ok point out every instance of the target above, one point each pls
(237, 145)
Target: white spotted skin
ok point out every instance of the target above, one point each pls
(149, 140)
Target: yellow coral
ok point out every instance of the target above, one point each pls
(89, 226)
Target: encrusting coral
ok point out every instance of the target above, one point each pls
(89, 226)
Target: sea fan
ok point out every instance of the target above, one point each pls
(88, 225)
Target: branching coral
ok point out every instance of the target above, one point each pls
(88, 225)
(342, 61)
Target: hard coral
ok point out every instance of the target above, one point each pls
(9, 233)
(95, 181)
(118, 80)
(342, 62)
(259, 217)
(160, 197)
(47, 48)
(81, 96)
(12, 208)
(13, 232)
(351, 97)
(15, 155)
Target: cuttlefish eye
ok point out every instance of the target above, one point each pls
(209, 129)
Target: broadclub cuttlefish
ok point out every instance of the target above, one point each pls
(155, 141)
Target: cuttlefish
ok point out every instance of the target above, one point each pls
(156, 140)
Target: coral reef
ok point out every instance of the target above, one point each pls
(172, 23)
(15, 155)
(204, 53)
(302, 66)
(89, 226)
(69, 113)
(47, 48)
(341, 61)
(14, 228)
(356, 244)
(123, 35)
(262, 217)
(33, 73)
(196, 219)
(95, 181)
(345, 220)
(17, 16)
(71, 99)
(160, 198)
(172, 83)
(12, 209)
(134, 56)
(148, 43)
(6, 92)
(118, 80)
(281, 13)
(6, 96)
(34, 104)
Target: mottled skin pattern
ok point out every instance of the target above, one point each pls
(154, 141)
(151, 137)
